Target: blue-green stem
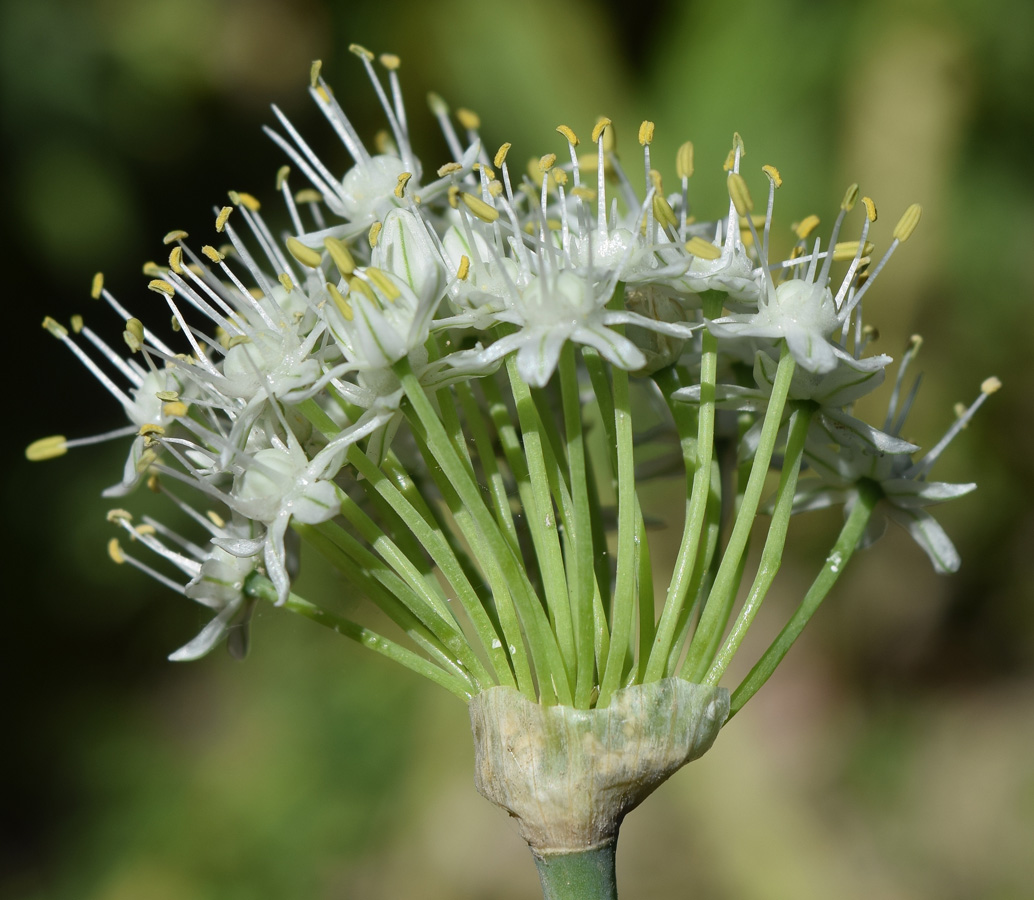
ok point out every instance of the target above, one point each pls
(719, 602)
(772, 554)
(869, 495)
(262, 588)
(585, 875)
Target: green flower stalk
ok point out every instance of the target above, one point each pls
(454, 387)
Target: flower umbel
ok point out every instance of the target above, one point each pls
(453, 387)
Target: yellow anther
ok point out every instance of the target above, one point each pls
(479, 167)
(568, 134)
(77, 323)
(134, 334)
(584, 193)
(806, 226)
(285, 282)
(115, 552)
(47, 448)
(559, 176)
(55, 327)
(231, 341)
(151, 433)
(990, 385)
(383, 283)
(97, 285)
(213, 255)
(684, 160)
(773, 175)
(174, 324)
(374, 234)
(340, 254)
(547, 162)
(242, 198)
(314, 72)
(479, 208)
(360, 51)
(167, 396)
(663, 212)
(438, 106)
(655, 180)
(220, 220)
(468, 119)
(173, 236)
(915, 342)
(357, 285)
(602, 125)
(152, 269)
(176, 260)
(390, 61)
(702, 248)
(464, 270)
(870, 208)
(848, 249)
(144, 529)
(739, 194)
(308, 195)
(907, 224)
(217, 520)
(305, 255)
(500, 155)
(154, 484)
(161, 286)
(119, 515)
(870, 333)
(341, 303)
(281, 177)
(646, 133)
(449, 168)
(850, 198)
(737, 144)
(400, 186)
(495, 188)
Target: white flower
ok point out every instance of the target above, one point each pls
(904, 490)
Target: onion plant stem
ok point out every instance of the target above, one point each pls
(541, 518)
(625, 582)
(261, 587)
(696, 504)
(716, 609)
(553, 683)
(772, 554)
(868, 496)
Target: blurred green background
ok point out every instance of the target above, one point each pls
(890, 756)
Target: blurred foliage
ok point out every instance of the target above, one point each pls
(896, 739)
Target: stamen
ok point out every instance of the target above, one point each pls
(173, 236)
(97, 286)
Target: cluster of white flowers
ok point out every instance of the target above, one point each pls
(290, 349)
